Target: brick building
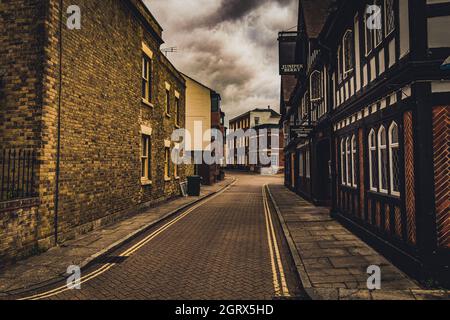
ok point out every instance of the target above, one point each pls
(372, 106)
(97, 106)
(256, 119)
(203, 107)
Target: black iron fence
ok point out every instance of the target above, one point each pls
(17, 172)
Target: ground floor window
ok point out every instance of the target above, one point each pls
(146, 157)
(308, 164)
(394, 159)
(167, 163)
(384, 159)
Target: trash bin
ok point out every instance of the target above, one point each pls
(194, 186)
(221, 176)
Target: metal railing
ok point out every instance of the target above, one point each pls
(17, 174)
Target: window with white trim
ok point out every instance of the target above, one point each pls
(316, 85)
(389, 16)
(177, 111)
(343, 162)
(146, 157)
(348, 162)
(167, 163)
(369, 35)
(382, 160)
(167, 102)
(146, 78)
(394, 159)
(348, 45)
(339, 63)
(301, 165)
(378, 33)
(308, 164)
(353, 145)
(373, 171)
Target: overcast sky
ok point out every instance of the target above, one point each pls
(229, 45)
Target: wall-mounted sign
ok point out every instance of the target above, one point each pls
(302, 132)
(287, 42)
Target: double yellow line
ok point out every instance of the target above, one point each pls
(279, 278)
(127, 252)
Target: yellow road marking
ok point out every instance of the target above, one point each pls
(129, 251)
(276, 283)
(284, 287)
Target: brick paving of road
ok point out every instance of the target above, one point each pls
(218, 251)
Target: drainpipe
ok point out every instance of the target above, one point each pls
(58, 143)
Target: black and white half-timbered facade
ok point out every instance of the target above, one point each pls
(374, 94)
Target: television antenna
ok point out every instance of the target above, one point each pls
(166, 51)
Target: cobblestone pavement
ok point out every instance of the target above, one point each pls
(51, 266)
(218, 251)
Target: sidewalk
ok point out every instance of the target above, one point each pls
(331, 261)
(52, 265)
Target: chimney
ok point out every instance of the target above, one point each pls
(268, 107)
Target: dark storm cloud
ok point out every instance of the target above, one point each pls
(231, 10)
(229, 45)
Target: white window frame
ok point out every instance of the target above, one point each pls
(301, 164)
(367, 31)
(353, 150)
(347, 161)
(167, 163)
(352, 41)
(343, 175)
(339, 72)
(146, 177)
(381, 147)
(311, 78)
(372, 148)
(386, 32)
(308, 164)
(392, 146)
(376, 32)
(147, 77)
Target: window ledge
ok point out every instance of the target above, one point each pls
(167, 179)
(146, 182)
(147, 103)
(177, 126)
(177, 178)
(168, 115)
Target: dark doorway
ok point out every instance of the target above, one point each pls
(323, 185)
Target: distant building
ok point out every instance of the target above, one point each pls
(257, 119)
(203, 113)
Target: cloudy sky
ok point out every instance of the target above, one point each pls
(229, 45)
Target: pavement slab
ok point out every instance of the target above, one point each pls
(332, 262)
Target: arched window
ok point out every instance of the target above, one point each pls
(373, 161)
(394, 161)
(316, 85)
(348, 162)
(354, 183)
(348, 45)
(382, 160)
(343, 162)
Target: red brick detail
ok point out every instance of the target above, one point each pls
(387, 217)
(410, 195)
(361, 173)
(398, 222)
(441, 145)
(378, 214)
